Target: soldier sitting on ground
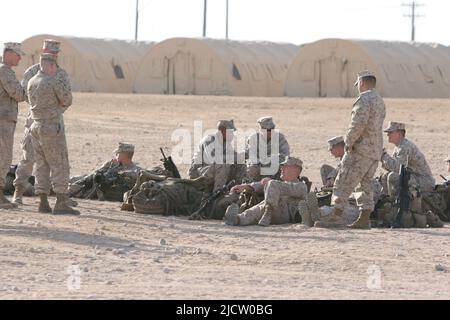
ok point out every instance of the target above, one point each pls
(216, 159)
(421, 180)
(258, 150)
(280, 198)
(111, 180)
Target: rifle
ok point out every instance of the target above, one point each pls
(169, 165)
(447, 182)
(403, 198)
(198, 215)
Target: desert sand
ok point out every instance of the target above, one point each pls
(109, 254)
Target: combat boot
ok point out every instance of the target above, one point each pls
(62, 207)
(71, 202)
(5, 203)
(333, 221)
(44, 206)
(18, 194)
(433, 220)
(363, 221)
(267, 216)
(232, 215)
(305, 214)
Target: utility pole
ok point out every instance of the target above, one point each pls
(413, 5)
(204, 18)
(226, 22)
(137, 21)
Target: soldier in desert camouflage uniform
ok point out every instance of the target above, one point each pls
(49, 98)
(11, 92)
(364, 147)
(121, 171)
(336, 146)
(263, 138)
(421, 182)
(405, 152)
(216, 158)
(25, 166)
(281, 198)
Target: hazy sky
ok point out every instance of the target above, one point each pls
(295, 21)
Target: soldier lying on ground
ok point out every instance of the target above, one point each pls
(280, 198)
(111, 180)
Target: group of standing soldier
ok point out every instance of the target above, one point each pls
(46, 88)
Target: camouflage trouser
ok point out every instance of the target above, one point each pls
(272, 195)
(325, 171)
(49, 143)
(25, 166)
(7, 129)
(356, 175)
(390, 183)
(218, 175)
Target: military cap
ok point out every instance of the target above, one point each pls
(363, 74)
(52, 46)
(14, 46)
(124, 147)
(394, 126)
(226, 124)
(448, 159)
(48, 56)
(292, 161)
(266, 123)
(334, 141)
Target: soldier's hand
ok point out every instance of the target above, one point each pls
(239, 188)
(265, 181)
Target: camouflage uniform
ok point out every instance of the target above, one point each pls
(204, 162)
(81, 186)
(365, 134)
(407, 152)
(282, 196)
(328, 172)
(25, 166)
(11, 92)
(256, 159)
(254, 169)
(49, 98)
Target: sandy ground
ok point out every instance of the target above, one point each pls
(105, 253)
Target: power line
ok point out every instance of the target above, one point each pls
(413, 5)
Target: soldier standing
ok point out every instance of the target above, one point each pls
(11, 92)
(364, 147)
(25, 166)
(264, 138)
(49, 98)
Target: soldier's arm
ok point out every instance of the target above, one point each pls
(63, 93)
(12, 86)
(292, 189)
(391, 163)
(360, 116)
(284, 146)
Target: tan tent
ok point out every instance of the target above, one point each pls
(327, 68)
(94, 65)
(215, 67)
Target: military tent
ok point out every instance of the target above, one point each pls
(94, 65)
(215, 67)
(327, 68)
